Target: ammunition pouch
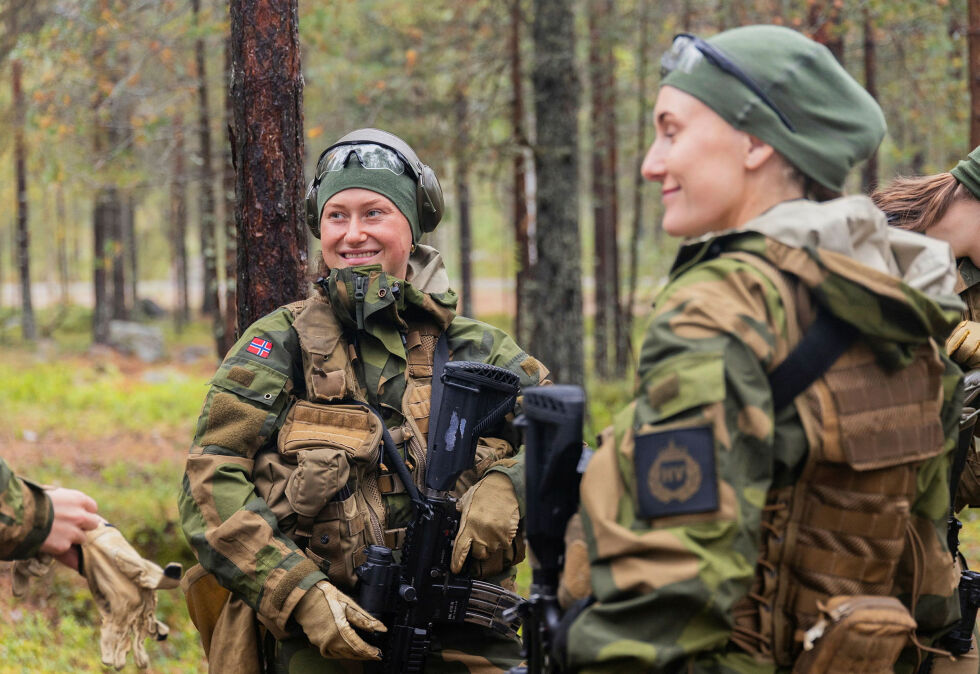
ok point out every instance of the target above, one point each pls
(227, 625)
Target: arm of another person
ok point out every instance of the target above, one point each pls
(231, 528)
(672, 500)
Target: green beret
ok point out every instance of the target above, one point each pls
(399, 188)
(837, 122)
(967, 172)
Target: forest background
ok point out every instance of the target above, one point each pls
(119, 209)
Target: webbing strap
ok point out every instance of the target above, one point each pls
(827, 338)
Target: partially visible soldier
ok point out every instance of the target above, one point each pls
(36, 520)
(946, 206)
(285, 485)
(776, 495)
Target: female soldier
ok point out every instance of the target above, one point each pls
(946, 206)
(284, 486)
(782, 472)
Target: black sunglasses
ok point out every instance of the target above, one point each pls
(687, 50)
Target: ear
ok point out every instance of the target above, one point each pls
(758, 154)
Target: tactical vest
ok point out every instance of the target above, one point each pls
(327, 483)
(844, 527)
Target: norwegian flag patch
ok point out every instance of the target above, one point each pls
(260, 347)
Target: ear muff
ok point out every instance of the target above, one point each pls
(428, 196)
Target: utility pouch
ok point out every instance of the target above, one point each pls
(353, 428)
(862, 634)
(205, 600)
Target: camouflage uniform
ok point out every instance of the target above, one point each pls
(241, 539)
(676, 547)
(26, 516)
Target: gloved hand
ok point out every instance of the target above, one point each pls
(963, 346)
(326, 615)
(576, 582)
(489, 521)
(24, 570)
(124, 587)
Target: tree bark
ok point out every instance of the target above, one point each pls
(463, 202)
(105, 200)
(869, 175)
(974, 72)
(27, 322)
(825, 27)
(267, 90)
(558, 330)
(230, 334)
(118, 259)
(178, 219)
(61, 236)
(209, 301)
(638, 182)
(132, 249)
(521, 214)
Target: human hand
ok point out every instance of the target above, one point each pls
(963, 346)
(489, 522)
(74, 514)
(326, 615)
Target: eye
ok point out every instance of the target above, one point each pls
(374, 213)
(336, 215)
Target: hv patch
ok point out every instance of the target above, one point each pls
(676, 472)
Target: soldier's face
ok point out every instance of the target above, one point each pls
(960, 226)
(700, 161)
(358, 226)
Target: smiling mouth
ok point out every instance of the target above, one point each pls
(360, 255)
(672, 190)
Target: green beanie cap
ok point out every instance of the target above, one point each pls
(967, 172)
(837, 122)
(399, 188)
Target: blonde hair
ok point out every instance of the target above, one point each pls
(917, 203)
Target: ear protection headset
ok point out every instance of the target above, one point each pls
(428, 192)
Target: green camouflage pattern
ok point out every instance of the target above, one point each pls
(666, 587)
(26, 516)
(232, 530)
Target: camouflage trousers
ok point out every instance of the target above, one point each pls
(465, 649)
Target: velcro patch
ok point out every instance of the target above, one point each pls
(675, 472)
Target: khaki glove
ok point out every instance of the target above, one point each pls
(963, 346)
(24, 570)
(488, 524)
(124, 587)
(326, 615)
(575, 583)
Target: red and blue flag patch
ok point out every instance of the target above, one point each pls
(260, 347)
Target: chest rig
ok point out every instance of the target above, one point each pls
(844, 526)
(326, 483)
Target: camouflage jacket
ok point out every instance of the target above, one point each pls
(231, 528)
(668, 582)
(26, 516)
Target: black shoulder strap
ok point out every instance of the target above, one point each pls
(824, 342)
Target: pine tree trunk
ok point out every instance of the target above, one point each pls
(178, 220)
(61, 236)
(463, 202)
(825, 26)
(267, 91)
(28, 325)
(973, 72)
(231, 233)
(522, 322)
(118, 259)
(869, 175)
(638, 182)
(209, 302)
(132, 248)
(101, 226)
(557, 306)
(600, 194)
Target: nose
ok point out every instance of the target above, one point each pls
(653, 167)
(355, 231)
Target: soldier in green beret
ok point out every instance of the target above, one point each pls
(775, 497)
(285, 486)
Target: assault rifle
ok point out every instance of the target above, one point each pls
(413, 595)
(552, 423)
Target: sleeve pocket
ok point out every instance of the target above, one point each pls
(680, 383)
(250, 380)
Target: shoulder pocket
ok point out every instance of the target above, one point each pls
(680, 383)
(250, 380)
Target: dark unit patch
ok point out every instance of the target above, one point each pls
(675, 472)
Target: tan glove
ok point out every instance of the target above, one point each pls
(326, 615)
(24, 570)
(575, 583)
(489, 521)
(963, 346)
(124, 587)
